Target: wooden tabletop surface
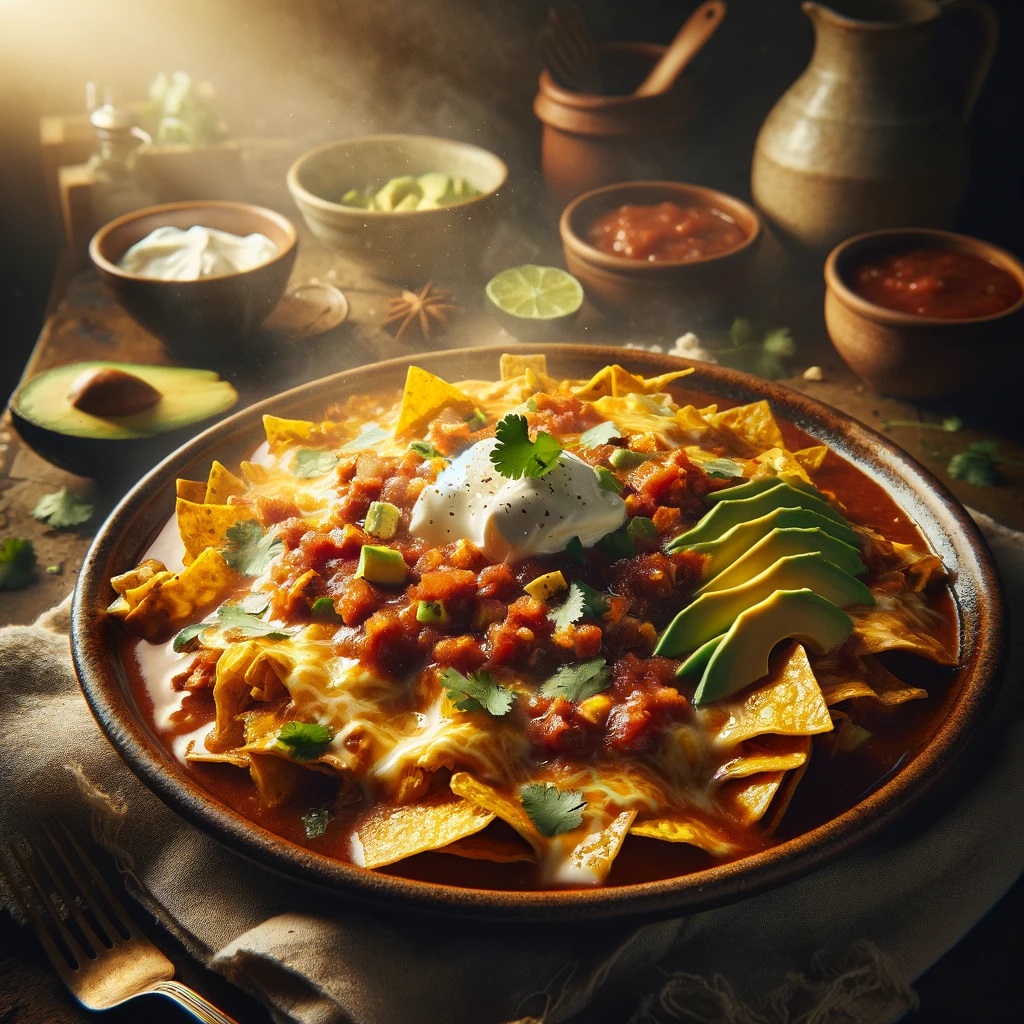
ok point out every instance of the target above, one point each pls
(85, 323)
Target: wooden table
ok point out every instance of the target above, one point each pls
(976, 981)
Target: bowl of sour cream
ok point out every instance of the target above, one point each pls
(202, 276)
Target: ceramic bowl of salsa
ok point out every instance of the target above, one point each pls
(657, 249)
(922, 313)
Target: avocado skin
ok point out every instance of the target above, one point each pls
(713, 613)
(117, 449)
(741, 658)
(778, 543)
(728, 513)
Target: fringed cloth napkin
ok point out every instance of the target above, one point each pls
(842, 944)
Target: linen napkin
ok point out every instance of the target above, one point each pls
(843, 943)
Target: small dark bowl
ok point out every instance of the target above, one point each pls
(702, 289)
(910, 356)
(208, 320)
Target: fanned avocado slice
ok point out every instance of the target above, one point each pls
(96, 418)
(713, 613)
(750, 488)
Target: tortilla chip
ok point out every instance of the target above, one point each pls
(276, 778)
(512, 365)
(485, 846)
(611, 380)
(811, 458)
(204, 756)
(392, 832)
(788, 703)
(594, 855)
(901, 622)
(755, 423)
(686, 827)
(425, 396)
(867, 678)
(749, 799)
(281, 432)
(134, 578)
(221, 485)
(498, 805)
(255, 473)
(654, 385)
(190, 490)
(206, 526)
(771, 754)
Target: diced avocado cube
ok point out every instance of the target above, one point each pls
(409, 202)
(434, 186)
(382, 519)
(381, 565)
(626, 458)
(543, 588)
(388, 196)
(432, 613)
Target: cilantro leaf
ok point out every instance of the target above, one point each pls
(574, 551)
(978, 465)
(63, 508)
(768, 357)
(601, 434)
(303, 740)
(249, 549)
(607, 480)
(581, 600)
(578, 682)
(369, 437)
(310, 462)
(516, 456)
(234, 616)
(553, 810)
(479, 691)
(17, 563)
(314, 821)
(187, 637)
(425, 450)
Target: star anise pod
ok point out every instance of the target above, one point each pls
(426, 312)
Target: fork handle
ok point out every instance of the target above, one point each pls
(192, 1001)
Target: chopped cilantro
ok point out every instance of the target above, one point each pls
(979, 464)
(249, 549)
(323, 608)
(607, 480)
(17, 563)
(303, 740)
(553, 810)
(601, 434)
(255, 604)
(370, 436)
(310, 462)
(479, 691)
(515, 455)
(425, 450)
(314, 821)
(581, 600)
(187, 638)
(621, 543)
(578, 682)
(768, 357)
(63, 508)
(234, 616)
(477, 421)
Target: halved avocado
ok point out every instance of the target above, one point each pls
(135, 412)
(713, 613)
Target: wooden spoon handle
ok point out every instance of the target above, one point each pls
(696, 31)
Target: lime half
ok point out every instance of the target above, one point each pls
(534, 296)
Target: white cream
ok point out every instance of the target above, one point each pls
(513, 519)
(171, 254)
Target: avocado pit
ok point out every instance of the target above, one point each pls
(110, 392)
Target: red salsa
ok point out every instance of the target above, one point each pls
(665, 232)
(946, 283)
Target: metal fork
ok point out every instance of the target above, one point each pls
(97, 949)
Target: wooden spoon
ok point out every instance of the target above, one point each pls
(696, 31)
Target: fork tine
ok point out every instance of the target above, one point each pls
(116, 907)
(38, 907)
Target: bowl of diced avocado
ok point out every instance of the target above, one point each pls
(404, 207)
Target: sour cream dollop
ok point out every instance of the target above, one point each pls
(173, 254)
(512, 519)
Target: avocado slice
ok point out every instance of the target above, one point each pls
(733, 544)
(741, 657)
(750, 488)
(698, 661)
(714, 612)
(729, 513)
(97, 436)
(778, 544)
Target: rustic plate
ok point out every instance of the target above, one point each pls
(943, 521)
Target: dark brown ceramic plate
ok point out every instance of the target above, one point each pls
(944, 523)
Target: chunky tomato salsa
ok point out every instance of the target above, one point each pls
(540, 627)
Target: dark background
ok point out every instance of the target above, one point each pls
(322, 69)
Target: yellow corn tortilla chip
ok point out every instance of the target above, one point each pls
(755, 423)
(772, 754)
(190, 490)
(281, 431)
(902, 622)
(594, 855)
(686, 827)
(485, 846)
(867, 678)
(182, 597)
(512, 365)
(393, 832)
(276, 778)
(811, 458)
(610, 380)
(134, 578)
(425, 396)
(655, 385)
(206, 526)
(221, 485)
(749, 799)
(498, 804)
(788, 703)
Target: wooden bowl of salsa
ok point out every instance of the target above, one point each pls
(656, 249)
(921, 313)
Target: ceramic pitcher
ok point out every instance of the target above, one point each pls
(866, 137)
